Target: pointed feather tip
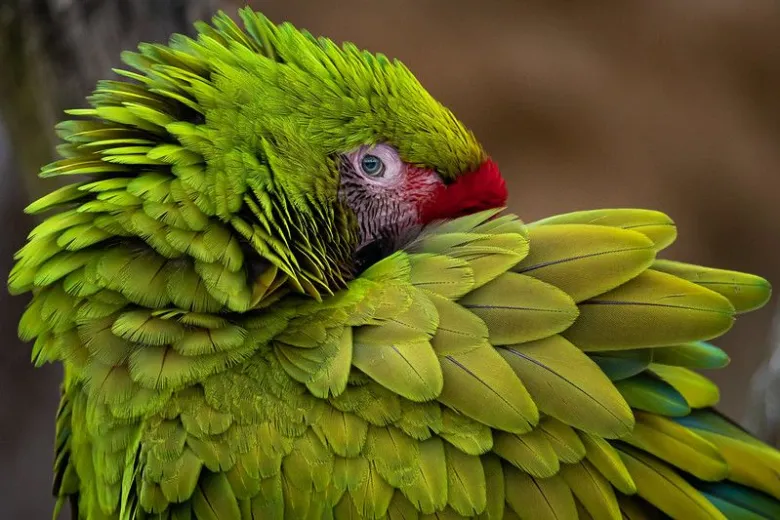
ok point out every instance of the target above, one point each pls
(762, 294)
(657, 226)
(745, 291)
(20, 279)
(696, 354)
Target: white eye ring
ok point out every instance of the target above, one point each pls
(378, 164)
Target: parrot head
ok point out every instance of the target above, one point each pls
(392, 197)
(340, 152)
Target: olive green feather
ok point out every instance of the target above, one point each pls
(532, 452)
(567, 385)
(537, 498)
(653, 224)
(652, 309)
(605, 458)
(661, 486)
(678, 446)
(746, 292)
(592, 490)
(585, 261)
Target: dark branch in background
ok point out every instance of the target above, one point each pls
(52, 53)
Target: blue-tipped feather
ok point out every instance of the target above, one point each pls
(738, 502)
(696, 354)
(622, 364)
(648, 393)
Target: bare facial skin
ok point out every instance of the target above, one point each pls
(385, 193)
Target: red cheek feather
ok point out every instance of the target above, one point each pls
(471, 192)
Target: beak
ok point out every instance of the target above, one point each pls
(471, 192)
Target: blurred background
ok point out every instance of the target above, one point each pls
(667, 105)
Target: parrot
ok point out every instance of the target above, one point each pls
(283, 283)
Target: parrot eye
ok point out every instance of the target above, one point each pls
(378, 165)
(372, 165)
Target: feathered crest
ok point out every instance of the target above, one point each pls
(237, 133)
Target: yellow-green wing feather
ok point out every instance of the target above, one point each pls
(487, 370)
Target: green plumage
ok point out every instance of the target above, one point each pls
(223, 359)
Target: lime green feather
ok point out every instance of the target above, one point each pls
(481, 385)
(567, 445)
(697, 390)
(585, 261)
(751, 463)
(661, 486)
(428, 489)
(459, 331)
(655, 225)
(465, 482)
(605, 458)
(468, 435)
(65, 194)
(652, 309)
(567, 385)
(531, 452)
(214, 499)
(344, 433)
(746, 292)
(592, 490)
(408, 368)
(494, 488)
(446, 276)
(421, 420)
(519, 308)
(537, 498)
(678, 446)
(395, 454)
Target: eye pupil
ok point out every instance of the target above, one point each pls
(372, 165)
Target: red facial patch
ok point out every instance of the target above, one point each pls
(471, 192)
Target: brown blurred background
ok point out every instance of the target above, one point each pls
(666, 104)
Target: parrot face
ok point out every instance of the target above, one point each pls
(385, 193)
(392, 199)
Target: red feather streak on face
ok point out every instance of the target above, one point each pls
(471, 192)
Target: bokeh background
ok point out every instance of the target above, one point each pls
(665, 104)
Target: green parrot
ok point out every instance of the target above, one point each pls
(281, 286)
